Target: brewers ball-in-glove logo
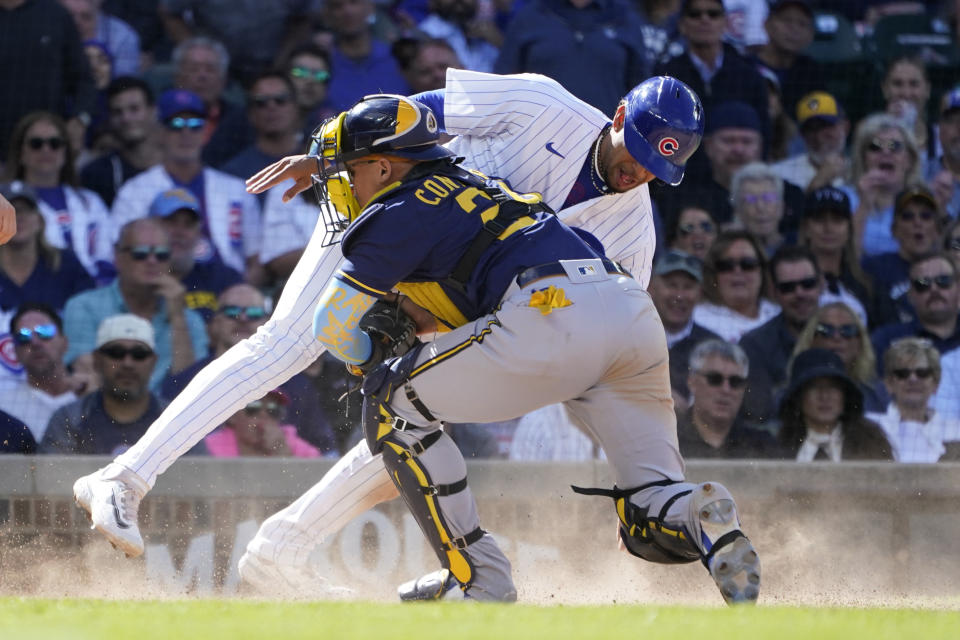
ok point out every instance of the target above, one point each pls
(813, 104)
(668, 146)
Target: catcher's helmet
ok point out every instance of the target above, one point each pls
(391, 124)
(663, 126)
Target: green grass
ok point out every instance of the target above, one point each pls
(37, 619)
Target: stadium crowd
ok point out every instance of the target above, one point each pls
(806, 270)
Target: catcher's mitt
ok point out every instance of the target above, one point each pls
(392, 331)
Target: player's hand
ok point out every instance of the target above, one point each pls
(8, 221)
(831, 167)
(300, 169)
(426, 322)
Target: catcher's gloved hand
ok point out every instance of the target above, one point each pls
(392, 331)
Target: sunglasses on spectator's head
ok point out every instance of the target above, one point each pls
(944, 281)
(43, 331)
(142, 252)
(280, 100)
(55, 143)
(847, 331)
(878, 144)
(316, 76)
(706, 227)
(726, 265)
(273, 408)
(118, 352)
(179, 124)
(234, 312)
(922, 373)
(715, 379)
(807, 284)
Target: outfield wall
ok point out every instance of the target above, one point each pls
(849, 533)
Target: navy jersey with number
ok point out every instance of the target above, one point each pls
(413, 235)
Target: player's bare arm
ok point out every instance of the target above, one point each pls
(8, 220)
(297, 168)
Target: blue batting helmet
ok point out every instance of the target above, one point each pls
(663, 126)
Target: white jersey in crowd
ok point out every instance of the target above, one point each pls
(946, 401)
(548, 434)
(287, 226)
(88, 222)
(917, 441)
(727, 323)
(233, 215)
(285, 345)
(31, 406)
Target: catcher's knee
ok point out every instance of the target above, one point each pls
(425, 497)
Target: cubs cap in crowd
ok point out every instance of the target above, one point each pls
(733, 115)
(173, 102)
(827, 199)
(950, 101)
(169, 202)
(818, 106)
(915, 192)
(19, 190)
(662, 126)
(673, 261)
(125, 326)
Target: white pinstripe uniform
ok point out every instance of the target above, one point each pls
(505, 125)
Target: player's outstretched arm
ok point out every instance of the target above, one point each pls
(8, 220)
(296, 168)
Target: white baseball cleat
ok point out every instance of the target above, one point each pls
(111, 499)
(269, 579)
(731, 559)
(439, 585)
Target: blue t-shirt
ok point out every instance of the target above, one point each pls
(45, 285)
(418, 232)
(352, 79)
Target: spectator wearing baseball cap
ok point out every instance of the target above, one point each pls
(259, 430)
(230, 216)
(790, 31)
(918, 223)
(178, 211)
(824, 128)
(826, 228)
(943, 174)
(111, 419)
(31, 270)
(675, 288)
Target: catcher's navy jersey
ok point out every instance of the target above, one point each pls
(412, 237)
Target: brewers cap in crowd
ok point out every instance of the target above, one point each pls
(125, 326)
(818, 106)
(169, 202)
(915, 192)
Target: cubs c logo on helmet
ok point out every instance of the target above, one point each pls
(668, 147)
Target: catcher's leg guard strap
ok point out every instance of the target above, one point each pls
(423, 497)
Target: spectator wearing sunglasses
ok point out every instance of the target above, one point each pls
(917, 431)
(309, 69)
(39, 345)
(712, 426)
(757, 196)
(821, 414)
(146, 288)
(230, 215)
(734, 284)
(797, 286)
(30, 268)
(692, 230)
(241, 309)
(259, 430)
(826, 228)
(917, 226)
(836, 327)
(884, 160)
(110, 420)
(179, 213)
(934, 295)
(42, 156)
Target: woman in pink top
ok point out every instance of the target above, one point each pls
(256, 430)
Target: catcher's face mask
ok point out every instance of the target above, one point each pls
(331, 183)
